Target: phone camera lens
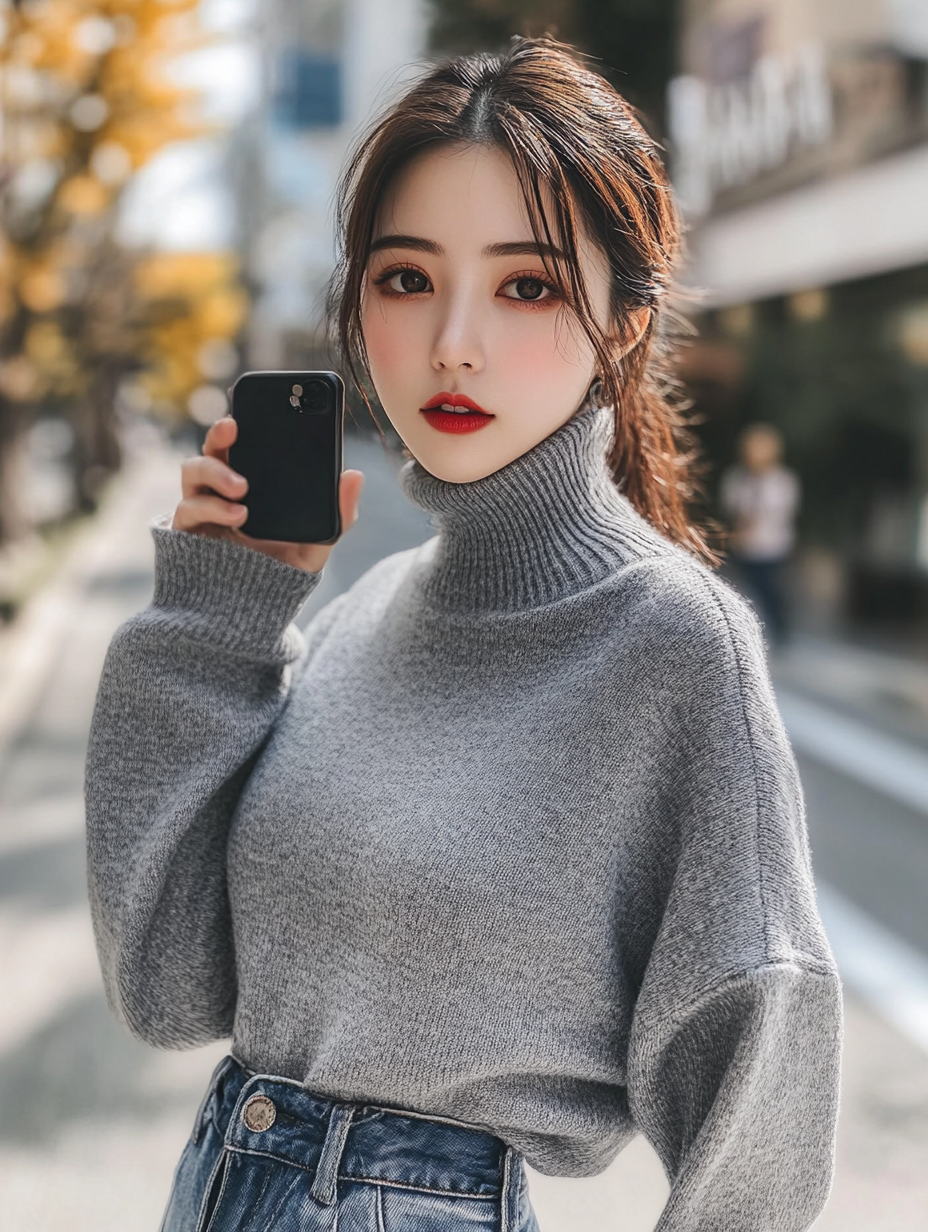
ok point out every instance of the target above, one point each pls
(315, 396)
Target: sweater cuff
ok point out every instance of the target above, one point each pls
(226, 593)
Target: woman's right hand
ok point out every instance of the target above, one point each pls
(212, 492)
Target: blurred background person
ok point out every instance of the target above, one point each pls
(760, 497)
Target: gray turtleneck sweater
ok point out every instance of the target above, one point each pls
(515, 838)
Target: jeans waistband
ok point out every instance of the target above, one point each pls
(279, 1118)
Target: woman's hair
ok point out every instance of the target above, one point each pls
(569, 132)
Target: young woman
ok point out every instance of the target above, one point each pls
(507, 862)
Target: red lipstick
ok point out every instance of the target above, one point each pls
(469, 419)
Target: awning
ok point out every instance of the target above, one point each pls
(868, 221)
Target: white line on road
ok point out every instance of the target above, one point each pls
(886, 972)
(890, 766)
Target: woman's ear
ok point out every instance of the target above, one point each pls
(632, 331)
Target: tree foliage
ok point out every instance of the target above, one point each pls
(87, 100)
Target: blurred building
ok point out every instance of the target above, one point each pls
(800, 139)
(327, 68)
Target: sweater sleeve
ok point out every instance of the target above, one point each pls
(190, 689)
(735, 1049)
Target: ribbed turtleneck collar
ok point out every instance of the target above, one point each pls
(550, 524)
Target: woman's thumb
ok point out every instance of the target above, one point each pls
(349, 494)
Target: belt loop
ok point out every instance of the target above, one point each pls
(323, 1189)
(512, 1190)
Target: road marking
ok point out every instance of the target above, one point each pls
(890, 766)
(885, 971)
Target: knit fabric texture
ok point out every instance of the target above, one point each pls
(514, 835)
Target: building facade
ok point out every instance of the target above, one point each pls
(328, 68)
(800, 153)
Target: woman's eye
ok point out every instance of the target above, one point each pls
(527, 289)
(407, 282)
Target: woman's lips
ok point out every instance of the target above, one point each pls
(456, 421)
(439, 413)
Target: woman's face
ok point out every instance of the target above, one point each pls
(457, 302)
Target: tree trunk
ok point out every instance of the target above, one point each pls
(15, 522)
(97, 446)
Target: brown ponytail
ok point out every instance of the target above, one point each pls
(566, 129)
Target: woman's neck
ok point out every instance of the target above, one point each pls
(550, 524)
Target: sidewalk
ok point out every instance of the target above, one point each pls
(100, 1119)
(95, 1119)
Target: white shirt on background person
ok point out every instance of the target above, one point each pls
(763, 505)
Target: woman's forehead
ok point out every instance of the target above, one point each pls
(456, 193)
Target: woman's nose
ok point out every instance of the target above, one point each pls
(458, 342)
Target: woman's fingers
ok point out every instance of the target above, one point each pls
(205, 510)
(220, 436)
(208, 474)
(213, 492)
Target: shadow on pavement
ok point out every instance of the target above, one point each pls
(47, 876)
(80, 1066)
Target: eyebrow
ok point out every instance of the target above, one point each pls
(510, 248)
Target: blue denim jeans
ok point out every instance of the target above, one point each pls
(266, 1155)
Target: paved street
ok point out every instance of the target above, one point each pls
(95, 1122)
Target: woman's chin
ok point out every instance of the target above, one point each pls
(455, 472)
(457, 458)
(458, 462)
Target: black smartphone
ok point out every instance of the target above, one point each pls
(289, 448)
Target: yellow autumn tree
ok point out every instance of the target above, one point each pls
(87, 100)
(193, 304)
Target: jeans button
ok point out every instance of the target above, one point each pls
(259, 1113)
